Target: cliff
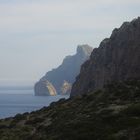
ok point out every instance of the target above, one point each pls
(45, 88)
(62, 78)
(116, 59)
(111, 113)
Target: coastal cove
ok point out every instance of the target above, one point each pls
(17, 101)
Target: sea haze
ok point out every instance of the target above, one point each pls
(21, 99)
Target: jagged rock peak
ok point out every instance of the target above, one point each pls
(128, 27)
(116, 59)
(84, 49)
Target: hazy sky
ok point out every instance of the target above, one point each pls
(35, 35)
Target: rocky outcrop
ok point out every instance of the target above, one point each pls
(63, 77)
(116, 59)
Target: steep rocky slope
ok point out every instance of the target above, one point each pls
(62, 78)
(116, 59)
(110, 114)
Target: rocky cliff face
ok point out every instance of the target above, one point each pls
(62, 78)
(45, 88)
(116, 59)
(66, 88)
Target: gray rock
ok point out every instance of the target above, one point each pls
(116, 59)
(64, 76)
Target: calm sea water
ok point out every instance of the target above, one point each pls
(16, 101)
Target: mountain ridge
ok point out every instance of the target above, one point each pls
(116, 59)
(65, 74)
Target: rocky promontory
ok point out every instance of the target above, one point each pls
(61, 79)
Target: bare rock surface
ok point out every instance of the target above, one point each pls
(116, 59)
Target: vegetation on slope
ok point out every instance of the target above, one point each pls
(110, 114)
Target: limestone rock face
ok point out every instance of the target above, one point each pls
(66, 88)
(116, 59)
(45, 88)
(64, 76)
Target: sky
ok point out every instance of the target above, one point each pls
(35, 35)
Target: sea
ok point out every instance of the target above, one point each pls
(20, 100)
